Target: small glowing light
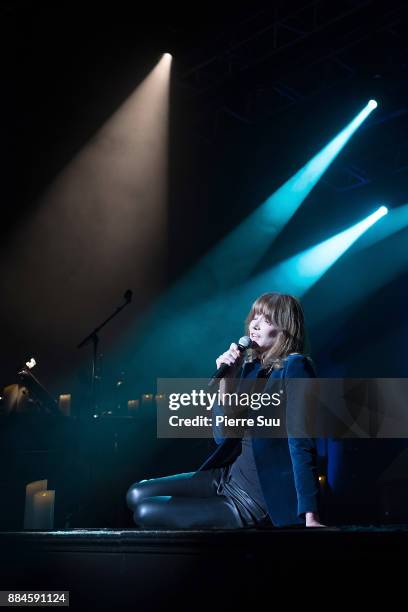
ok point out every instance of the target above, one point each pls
(133, 405)
(31, 363)
(168, 56)
(372, 104)
(95, 416)
(382, 210)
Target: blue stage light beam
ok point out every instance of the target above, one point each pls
(297, 274)
(269, 219)
(395, 221)
(379, 257)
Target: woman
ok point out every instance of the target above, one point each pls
(246, 482)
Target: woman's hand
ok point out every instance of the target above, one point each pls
(312, 520)
(233, 357)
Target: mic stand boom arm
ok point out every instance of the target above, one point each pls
(94, 338)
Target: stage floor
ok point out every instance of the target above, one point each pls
(187, 570)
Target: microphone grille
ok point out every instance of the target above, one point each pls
(245, 342)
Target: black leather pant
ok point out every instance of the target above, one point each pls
(183, 501)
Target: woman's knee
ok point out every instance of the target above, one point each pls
(143, 512)
(134, 494)
(149, 512)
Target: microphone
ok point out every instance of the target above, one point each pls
(244, 343)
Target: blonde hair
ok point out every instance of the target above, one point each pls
(286, 314)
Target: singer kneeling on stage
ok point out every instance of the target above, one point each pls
(248, 481)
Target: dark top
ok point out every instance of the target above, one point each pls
(244, 474)
(243, 471)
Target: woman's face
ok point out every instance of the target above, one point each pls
(263, 332)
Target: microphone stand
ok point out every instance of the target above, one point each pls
(94, 338)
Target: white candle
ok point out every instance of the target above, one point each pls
(65, 404)
(31, 489)
(43, 510)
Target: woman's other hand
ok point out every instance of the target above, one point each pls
(313, 520)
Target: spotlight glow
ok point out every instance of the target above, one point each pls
(372, 104)
(382, 211)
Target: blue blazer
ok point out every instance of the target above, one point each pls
(287, 467)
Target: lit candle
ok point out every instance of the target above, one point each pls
(65, 404)
(43, 510)
(147, 398)
(322, 480)
(31, 489)
(133, 405)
